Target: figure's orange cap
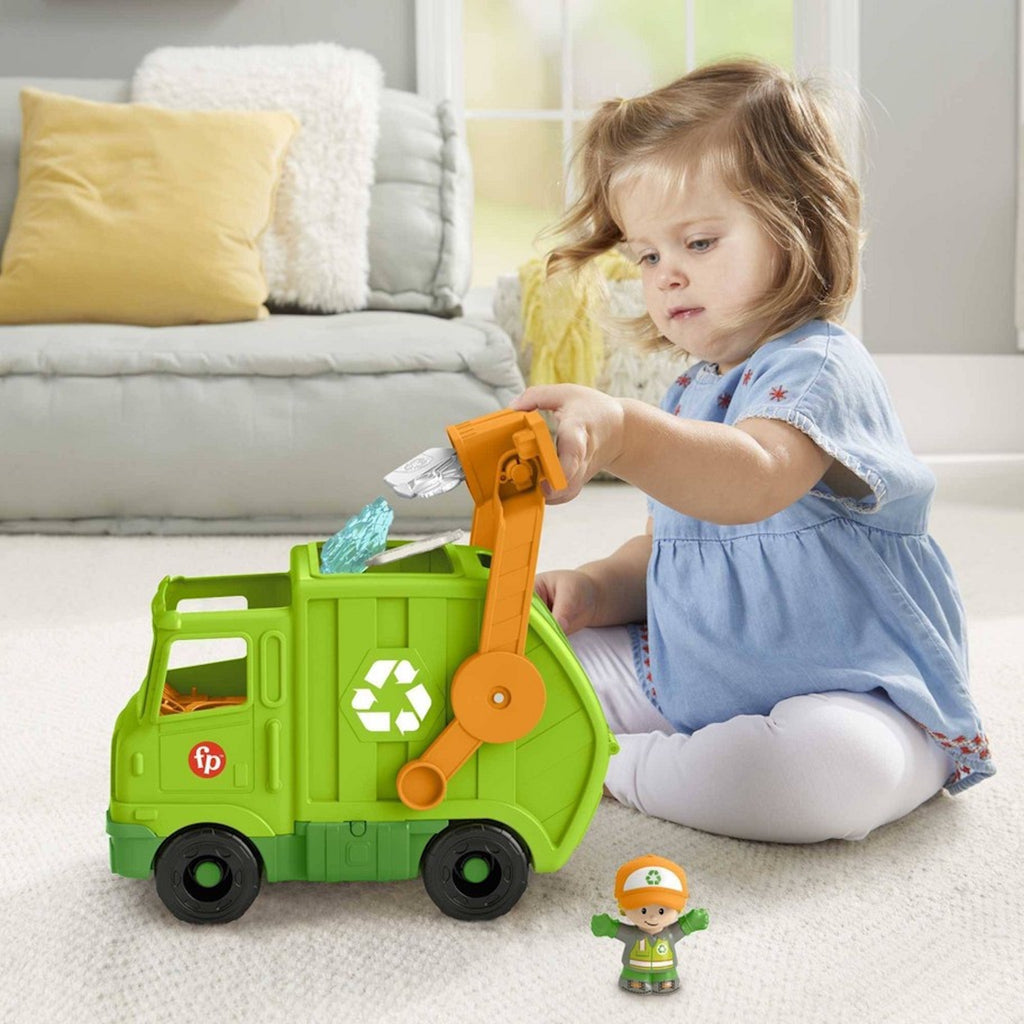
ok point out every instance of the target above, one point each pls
(651, 879)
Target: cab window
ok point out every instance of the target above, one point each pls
(203, 674)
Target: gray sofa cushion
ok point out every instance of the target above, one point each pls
(421, 203)
(421, 209)
(283, 425)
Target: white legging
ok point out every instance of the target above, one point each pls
(823, 766)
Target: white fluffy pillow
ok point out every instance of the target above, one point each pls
(315, 250)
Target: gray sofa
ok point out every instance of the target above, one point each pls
(281, 425)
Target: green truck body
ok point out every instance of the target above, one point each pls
(287, 750)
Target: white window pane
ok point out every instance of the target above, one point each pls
(625, 48)
(759, 28)
(517, 167)
(512, 54)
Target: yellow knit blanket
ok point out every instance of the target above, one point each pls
(561, 318)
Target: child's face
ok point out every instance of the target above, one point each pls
(652, 918)
(703, 259)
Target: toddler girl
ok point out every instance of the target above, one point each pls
(782, 652)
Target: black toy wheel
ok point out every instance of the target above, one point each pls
(475, 871)
(207, 875)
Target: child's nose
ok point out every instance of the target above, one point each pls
(671, 275)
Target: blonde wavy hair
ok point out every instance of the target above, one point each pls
(770, 140)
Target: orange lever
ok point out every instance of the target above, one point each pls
(497, 694)
(497, 697)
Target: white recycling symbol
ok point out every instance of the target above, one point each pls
(406, 721)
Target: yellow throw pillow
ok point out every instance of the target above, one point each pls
(134, 214)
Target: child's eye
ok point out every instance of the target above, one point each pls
(702, 244)
(649, 259)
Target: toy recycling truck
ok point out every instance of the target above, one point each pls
(426, 716)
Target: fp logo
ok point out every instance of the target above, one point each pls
(207, 759)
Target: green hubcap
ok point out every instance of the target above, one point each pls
(476, 869)
(208, 874)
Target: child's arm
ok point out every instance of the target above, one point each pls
(723, 474)
(608, 592)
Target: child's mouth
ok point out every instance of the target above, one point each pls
(684, 312)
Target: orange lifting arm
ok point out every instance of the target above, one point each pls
(497, 694)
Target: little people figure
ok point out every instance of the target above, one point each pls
(651, 892)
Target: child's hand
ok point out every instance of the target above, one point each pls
(571, 596)
(589, 432)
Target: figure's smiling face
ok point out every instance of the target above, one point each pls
(704, 259)
(652, 918)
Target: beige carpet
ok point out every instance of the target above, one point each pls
(923, 921)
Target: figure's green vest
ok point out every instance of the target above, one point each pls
(652, 954)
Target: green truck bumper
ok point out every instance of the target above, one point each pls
(132, 849)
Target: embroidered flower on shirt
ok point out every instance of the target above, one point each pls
(747, 375)
(778, 393)
(723, 401)
(683, 381)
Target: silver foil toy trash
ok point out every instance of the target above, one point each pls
(433, 472)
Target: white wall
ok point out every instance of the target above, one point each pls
(107, 38)
(940, 85)
(939, 79)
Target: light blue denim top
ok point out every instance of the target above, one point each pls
(832, 593)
